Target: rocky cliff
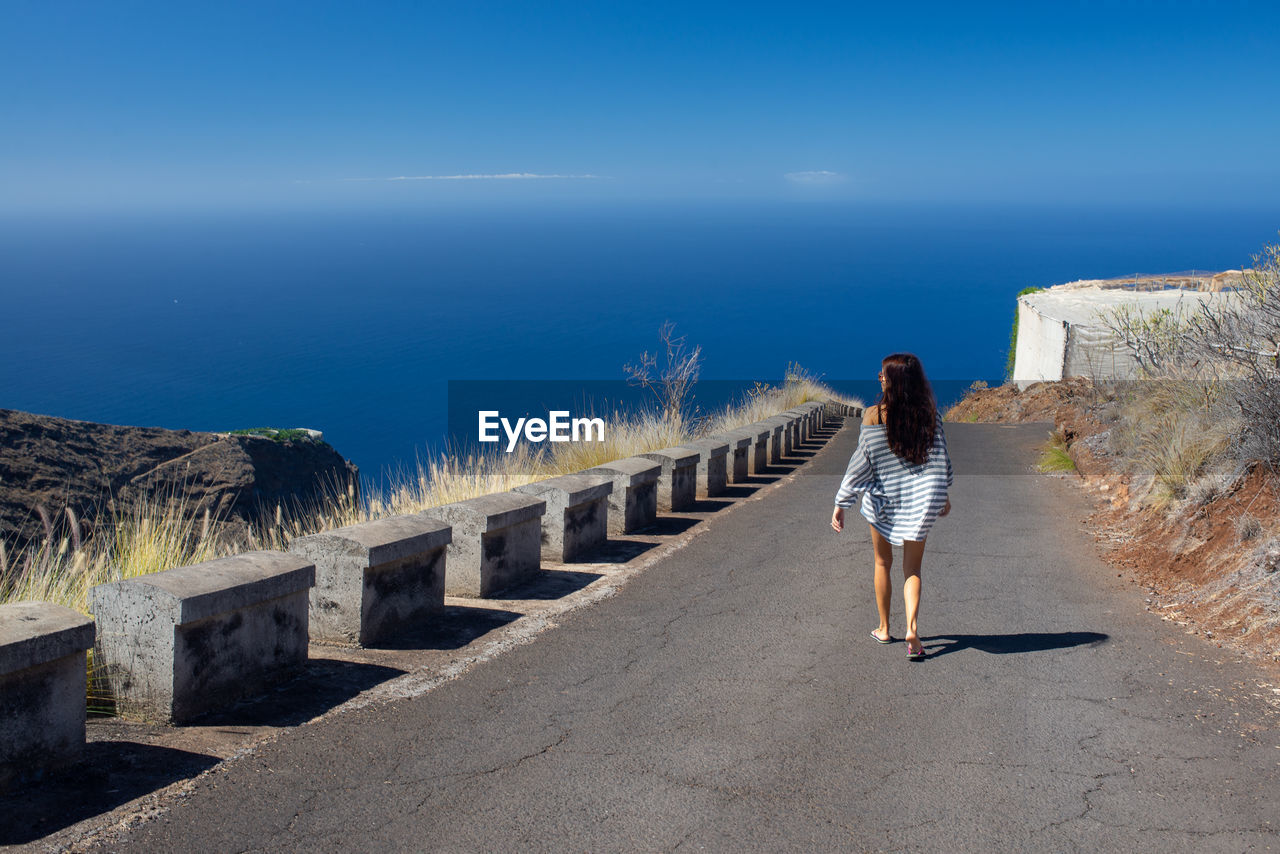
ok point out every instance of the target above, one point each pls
(48, 465)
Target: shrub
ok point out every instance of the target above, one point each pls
(1239, 339)
(277, 435)
(1266, 557)
(1248, 527)
(1055, 455)
(1225, 354)
(671, 374)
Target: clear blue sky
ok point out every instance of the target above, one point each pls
(132, 105)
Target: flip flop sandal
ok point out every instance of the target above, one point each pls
(879, 639)
(915, 656)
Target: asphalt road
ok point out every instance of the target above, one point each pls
(729, 698)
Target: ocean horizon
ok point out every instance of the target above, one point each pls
(356, 323)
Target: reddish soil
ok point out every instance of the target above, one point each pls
(1190, 556)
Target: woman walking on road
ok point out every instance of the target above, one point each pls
(901, 472)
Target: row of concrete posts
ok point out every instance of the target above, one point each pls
(180, 643)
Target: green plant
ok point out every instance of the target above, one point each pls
(1055, 454)
(278, 435)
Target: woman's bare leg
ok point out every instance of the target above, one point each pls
(912, 556)
(884, 587)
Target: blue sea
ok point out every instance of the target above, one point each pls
(356, 323)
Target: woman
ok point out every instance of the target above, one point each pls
(901, 471)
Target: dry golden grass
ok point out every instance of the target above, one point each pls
(1174, 431)
(1243, 600)
(162, 533)
(1055, 454)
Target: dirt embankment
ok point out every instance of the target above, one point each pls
(49, 465)
(1209, 557)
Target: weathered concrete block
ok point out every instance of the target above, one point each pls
(818, 413)
(758, 454)
(780, 444)
(678, 481)
(42, 689)
(736, 462)
(633, 504)
(813, 417)
(185, 641)
(576, 522)
(497, 541)
(713, 476)
(375, 579)
(797, 427)
(776, 439)
(800, 425)
(812, 410)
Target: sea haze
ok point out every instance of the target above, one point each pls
(355, 323)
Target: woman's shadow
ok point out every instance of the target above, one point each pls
(1009, 644)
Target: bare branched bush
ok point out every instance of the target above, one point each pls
(1210, 388)
(670, 375)
(1239, 338)
(1267, 556)
(1157, 340)
(1248, 527)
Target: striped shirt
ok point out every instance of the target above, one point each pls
(901, 500)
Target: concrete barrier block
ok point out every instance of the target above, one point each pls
(713, 476)
(813, 414)
(633, 503)
(819, 414)
(799, 436)
(737, 464)
(42, 689)
(179, 643)
(678, 481)
(376, 579)
(758, 454)
(799, 424)
(576, 522)
(497, 542)
(780, 444)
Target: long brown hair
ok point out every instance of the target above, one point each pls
(910, 412)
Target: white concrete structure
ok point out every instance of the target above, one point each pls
(1061, 331)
